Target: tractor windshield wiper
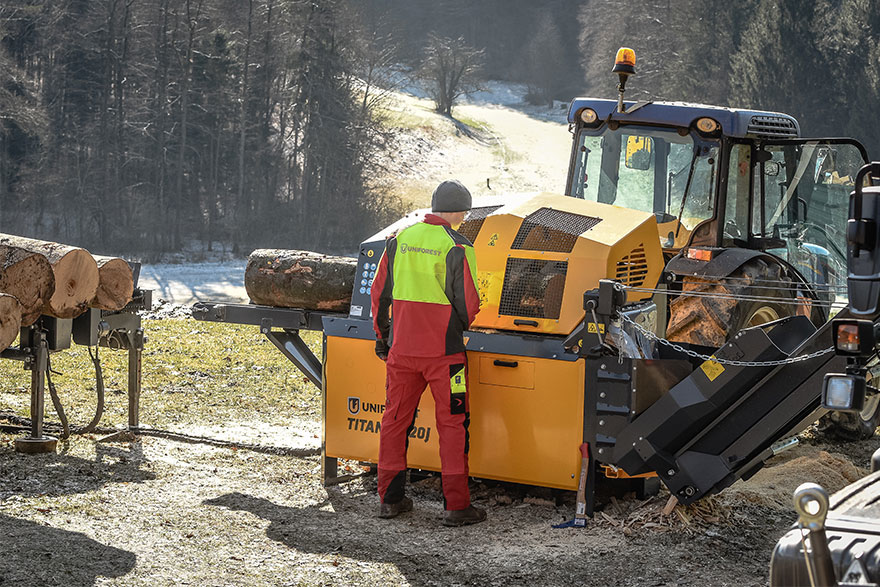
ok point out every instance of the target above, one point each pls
(687, 187)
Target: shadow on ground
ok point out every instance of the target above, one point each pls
(61, 474)
(508, 549)
(339, 530)
(36, 555)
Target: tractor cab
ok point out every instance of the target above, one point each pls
(718, 179)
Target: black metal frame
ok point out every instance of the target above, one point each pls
(288, 341)
(115, 330)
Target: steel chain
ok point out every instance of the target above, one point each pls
(650, 335)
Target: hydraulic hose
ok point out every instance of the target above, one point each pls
(99, 408)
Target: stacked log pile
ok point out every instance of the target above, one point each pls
(300, 279)
(47, 278)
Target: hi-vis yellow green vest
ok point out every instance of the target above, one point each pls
(427, 277)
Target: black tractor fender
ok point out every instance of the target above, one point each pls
(724, 262)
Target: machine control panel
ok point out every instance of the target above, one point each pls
(368, 263)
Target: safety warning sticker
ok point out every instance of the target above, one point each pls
(712, 369)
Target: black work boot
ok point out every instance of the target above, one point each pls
(469, 515)
(391, 510)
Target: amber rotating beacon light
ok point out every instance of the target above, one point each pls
(624, 66)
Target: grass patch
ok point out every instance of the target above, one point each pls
(473, 123)
(193, 372)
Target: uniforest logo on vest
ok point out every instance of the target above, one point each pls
(405, 248)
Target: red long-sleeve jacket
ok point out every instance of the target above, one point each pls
(427, 277)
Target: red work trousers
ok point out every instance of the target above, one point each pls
(406, 378)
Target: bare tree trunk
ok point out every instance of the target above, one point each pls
(243, 207)
(192, 22)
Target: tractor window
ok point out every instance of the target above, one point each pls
(803, 213)
(649, 169)
(736, 216)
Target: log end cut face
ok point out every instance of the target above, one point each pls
(116, 284)
(10, 320)
(28, 277)
(76, 283)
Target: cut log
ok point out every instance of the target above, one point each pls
(29, 277)
(300, 279)
(10, 320)
(76, 274)
(115, 283)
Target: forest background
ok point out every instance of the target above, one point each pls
(138, 125)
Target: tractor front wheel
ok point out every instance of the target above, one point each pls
(709, 312)
(852, 425)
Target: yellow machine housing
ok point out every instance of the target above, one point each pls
(536, 256)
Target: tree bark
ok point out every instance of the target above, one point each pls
(115, 283)
(29, 277)
(76, 275)
(10, 319)
(300, 279)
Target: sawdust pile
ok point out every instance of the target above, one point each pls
(775, 484)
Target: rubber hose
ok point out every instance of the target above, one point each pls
(99, 408)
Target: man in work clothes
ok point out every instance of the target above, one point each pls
(427, 278)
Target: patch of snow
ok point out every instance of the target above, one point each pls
(187, 283)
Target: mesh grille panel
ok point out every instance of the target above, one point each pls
(552, 230)
(533, 288)
(473, 222)
(633, 268)
(772, 126)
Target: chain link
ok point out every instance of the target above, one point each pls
(732, 362)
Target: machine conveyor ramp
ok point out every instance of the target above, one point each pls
(718, 424)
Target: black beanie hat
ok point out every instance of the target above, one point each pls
(451, 196)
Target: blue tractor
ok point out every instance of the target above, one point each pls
(751, 216)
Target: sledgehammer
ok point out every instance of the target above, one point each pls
(581, 509)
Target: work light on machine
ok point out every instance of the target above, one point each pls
(843, 393)
(853, 338)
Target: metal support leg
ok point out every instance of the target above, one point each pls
(36, 442)
(330, 470)
(135, 343)
(134, 379)
(298, 352)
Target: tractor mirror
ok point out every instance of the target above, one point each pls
(638, 152)
(863, 245)
(772, 168)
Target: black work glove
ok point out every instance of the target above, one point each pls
(382, 349)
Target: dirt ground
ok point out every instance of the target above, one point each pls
(162, 512)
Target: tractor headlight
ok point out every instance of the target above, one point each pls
(707, 125)
(589, 116)
(844, 393)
